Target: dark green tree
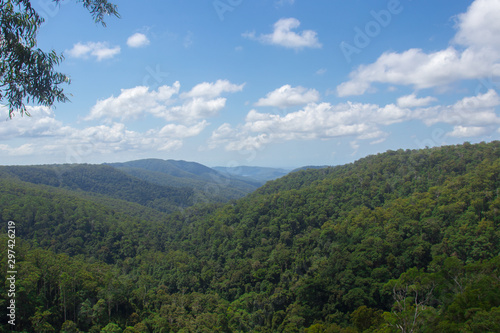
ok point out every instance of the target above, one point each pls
(27, 73)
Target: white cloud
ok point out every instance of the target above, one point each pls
(355, 146)
(200, 102)
(184, 117)
(321, 71)
(50, 136)
(471, 131)
(470, 111)
(236, 138)
(283, 35)
(477, 31)
(79, 143)
(488, 100)
(80, 50)
(213, 89)
(107, 139)
(287, 96)
(24, 150)
(182, 131)
(479, 27)
(134, 102)
(315, 121)
(116, 137)
(194, 109)
(99, 50)
(42, 123)
(470, 116)
(138, 40)
(410, 101)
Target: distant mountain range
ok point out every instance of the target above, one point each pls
(207, 184)
(224, 183)
(164, 185)
(259, 174)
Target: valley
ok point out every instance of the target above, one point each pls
(403, 240)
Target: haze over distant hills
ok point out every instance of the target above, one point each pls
(233, 181)
(208, 184)
(261, 174)
(165, 185)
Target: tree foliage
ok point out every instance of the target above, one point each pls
(27, 74)
(404, 241)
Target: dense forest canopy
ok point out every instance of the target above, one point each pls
(404, 241)
(166, 186)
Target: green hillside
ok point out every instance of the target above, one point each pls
(74, 223)
(208, 184)
(105, 181)
(404, 241)
(177, 169)
(258, 174)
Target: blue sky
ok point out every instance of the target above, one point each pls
(281, 83)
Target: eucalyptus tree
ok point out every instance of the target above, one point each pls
(27, 73)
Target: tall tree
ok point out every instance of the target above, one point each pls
(27, 73)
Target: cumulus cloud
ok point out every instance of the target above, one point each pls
(182, 131)
(476, 54)
(134, 102)
(315, 121)
(78, 143)
(410, 101)
(213, 89)
(184, 116)
(477, 110)
(138, 40)
(470, 116)
(99, 50)
(42, 123)
(470, 131)
(23, 150)
(479, 27)
(287, 96)
(283, 35)
(194, 109)
(202, 101)
(117, 137)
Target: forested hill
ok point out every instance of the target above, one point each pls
(209, 184)
(404, 241)
(180, 169)
(102, 180)
(163, 185)
(398, 172)
(259, 174)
